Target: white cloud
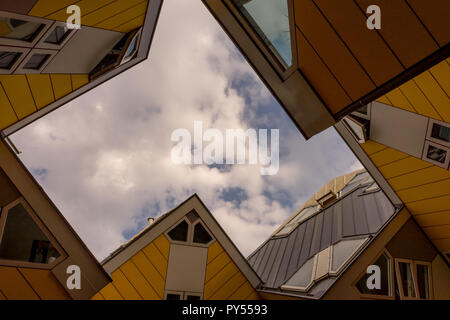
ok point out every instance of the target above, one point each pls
(108, 152)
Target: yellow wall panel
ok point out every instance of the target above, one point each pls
(253, 296)
(62, 84)
(131, 25)
(14, 286)
(163, 245)
(7, 115)
(243, 292)
(156, 258)
(387, 156)
(427, 191)
(441, 72)
(150, 273)
(138, 281)
(435, 94)
(438, 232)
(108, 11)
(79, 80)
(384, 99)
(399, 100)
(420, 177)
(97, 296)
(216, 265)
(110, 293)
(41, 88)
(43, 8)
(213, 251)
(442, 244)
(2, 296)
(218, 281)
(433, 219)
(124, 287)
(45, 284)
(418, 100)
(430, 205)
(123, 17)
(86, 7)
(370, 147)
(236, 281)
(19, 94)
(403, 166)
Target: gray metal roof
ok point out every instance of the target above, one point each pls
(355, 215)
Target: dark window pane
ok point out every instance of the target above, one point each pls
(436, 154)
(179, 233)
(58, 34)
(270, 19)
(406, 279)
(19, 29)
(173, 296)
(422, 281)
(440, 132)
(385, 282)
(189, 297)
(36, 61)
(201, 235)
(23, 240)
(7, 59)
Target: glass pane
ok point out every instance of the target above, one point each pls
(201, 235)
(189, 297)
(360, 178)
(343, 250)
(23, 240)
(36, 61)
(303, 276)
(19, 29)
(179, 233)
(440, 132)
(406, 279)
(58, 34)
(7, 59)
(287, 229)
(270, 19)
(436, 154)
(131, 48)
(422, 281)
(385, 281)
(173, 296)
(305, 214)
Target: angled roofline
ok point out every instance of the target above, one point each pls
(148, 31)
(165, 222)
(93, 274)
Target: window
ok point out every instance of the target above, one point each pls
(300, 217)
(302, 279)
(405, 280)
(270, 20)
(327, 199)
(180, 232)
(358, 180)
(363, 112)
(423, 280)
(436, 154)
(173, 295)
(7, 59)
(201, 235)
(384, 262)
(439, 132)
(413, 279)
(57, 35)
(357, 129)
(36, 61)
(22, 239)
(343, 251)
(131, 49)
(17, 29)
(191, 230)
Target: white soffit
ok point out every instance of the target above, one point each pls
(398, 129)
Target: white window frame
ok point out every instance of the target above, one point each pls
(444, 165)
(20, 69)
(430, 278)
(362, 115)
(430, 128)
(21, 43)
(23, 53)
(399, 282)
(44, 45)
(190, 234)
(183, 294)
(138, 40)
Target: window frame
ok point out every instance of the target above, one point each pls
(272, 59)
(21, 70)
(41, 226)
(431, 122)
(430, 278)
(23, 54)
(312, 281)
(44, 45)
(14, 42)
(362, 115)
(190, 234)
(429, 143)
(183, 294)
(332, 272)
(392, 278)
(399, 282)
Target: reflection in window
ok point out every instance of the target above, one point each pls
(270, 19)
(58, 35)
(179, 233)
(436, 154)
(423, 284)
(302, 278)
(359, 179)
(300, 217)
(440, 132)
(23, 240)
(7, 59)
(384, 262)
(173, 296)
(36, 61)
(343, 250)
(406, 279)
(201, 235)
(19, 29)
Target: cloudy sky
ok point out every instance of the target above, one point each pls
(104, 158)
